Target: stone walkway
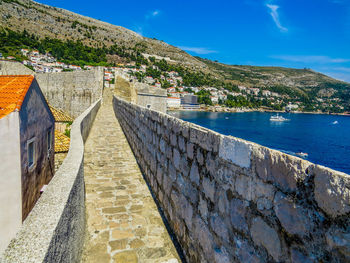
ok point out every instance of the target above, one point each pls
(123, 222)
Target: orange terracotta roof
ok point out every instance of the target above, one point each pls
(59, 115)
(61, 142)
(12, 92)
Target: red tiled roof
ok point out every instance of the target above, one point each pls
(12, 92)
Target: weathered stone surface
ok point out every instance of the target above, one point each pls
(299, 257)
(176, 158)
(267, 237)
(281, 169)
(219, 227)
(340, 241)
(123, 217)
(235, 150)
(189, 150)
(212, 196)
(332, 191)
(238, 210)
(203, 208)
(209, 188)
(245, 252)
(293, 218)
(194, 174)
(203, 237)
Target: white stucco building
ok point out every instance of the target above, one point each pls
(27, 150)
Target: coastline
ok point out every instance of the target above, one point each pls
(242, 110)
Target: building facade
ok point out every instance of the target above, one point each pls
(27, 143)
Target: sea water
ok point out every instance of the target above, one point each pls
(325, 138)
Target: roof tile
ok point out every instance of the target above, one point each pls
(12, 92)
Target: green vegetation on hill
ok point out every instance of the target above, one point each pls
(70, 52)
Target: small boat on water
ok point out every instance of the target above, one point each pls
(335, 122)
(302, 155)
(278, 118)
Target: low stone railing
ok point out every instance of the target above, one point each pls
(230, 200)
(54, 230)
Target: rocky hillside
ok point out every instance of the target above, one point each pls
(46, 21)
(304, 81)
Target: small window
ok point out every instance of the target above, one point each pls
(31, 153)
(49, 140)
(148, 106)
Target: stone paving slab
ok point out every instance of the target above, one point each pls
(123, 222)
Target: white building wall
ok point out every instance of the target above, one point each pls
(10, 179)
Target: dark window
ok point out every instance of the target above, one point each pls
(31, 153)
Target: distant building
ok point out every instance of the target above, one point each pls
(27, 145)
(214, 99)
(291, 107)
(173, 102)
(189, 102)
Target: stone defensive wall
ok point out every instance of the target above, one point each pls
(72, 92)
(230, 200)
(54, 231)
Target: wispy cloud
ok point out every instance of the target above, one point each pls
(275, 16)
(139, 28)
(198, 50)
(311, 59)
(152, 14)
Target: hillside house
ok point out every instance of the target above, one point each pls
(173, 102)
(27, 146)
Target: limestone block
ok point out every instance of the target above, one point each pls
(244, 187)
(203, 236)
(281, 169)
(299, 257)
(219, 227)
(221, 256)
(182, 144)
(173, 139)
(176, 158)
(245, 252)
(266, 236)
(236, 151)
(194, 174)
(203, 208)
(263, 204)
(332, 191)
(339, 240)
(293, 217)
(200, 158)
(210, 164)
(208, 188)
(187, 212)
(238, 211)
(189, 150)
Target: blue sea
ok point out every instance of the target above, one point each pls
(326, 138)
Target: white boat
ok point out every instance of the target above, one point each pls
(335, 122)
(278, 118)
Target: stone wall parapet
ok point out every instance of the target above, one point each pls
(230, 200)
(54, 230)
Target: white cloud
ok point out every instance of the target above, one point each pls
(311, 59)
(275, 16)
(198, 50)
(152, 14)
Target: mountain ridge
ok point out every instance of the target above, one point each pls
(46, 21)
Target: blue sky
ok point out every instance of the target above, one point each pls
(291, 33)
